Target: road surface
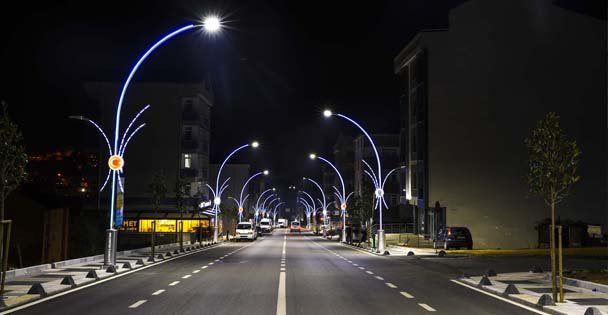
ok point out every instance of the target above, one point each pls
(284, 273)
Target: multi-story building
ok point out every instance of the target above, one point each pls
(471, 94)
(175, 140)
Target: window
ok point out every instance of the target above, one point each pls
(414, 180)
(188, 133)
(187, 160)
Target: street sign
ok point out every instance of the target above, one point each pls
(120, 203)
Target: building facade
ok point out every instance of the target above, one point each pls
(472, 93)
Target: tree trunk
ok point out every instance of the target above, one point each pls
(552, 235)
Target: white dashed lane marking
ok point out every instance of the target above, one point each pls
(407, 295)
(390, 285)
(203, 267)
(379, 278)
(426, 307)
(186, 276)
(158, 292)
(173, 283)
(371, 273)
(196, 271)
(137, 304)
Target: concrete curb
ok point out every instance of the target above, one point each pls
(586, 285)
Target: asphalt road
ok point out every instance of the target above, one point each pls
(281, 274)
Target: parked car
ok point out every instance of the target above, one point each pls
(246, 231)
(453, 237)
(265, 226)
(295, 226)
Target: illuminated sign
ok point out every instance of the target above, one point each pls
(115, 162)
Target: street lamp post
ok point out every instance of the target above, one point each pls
(115, 161)
(257, 204)
(275, 211)
(323, 202)
(240, 203)
(376, 178)
(217, 193)
(341, 195)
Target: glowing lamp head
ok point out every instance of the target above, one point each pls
(327, 113)
(255, 144)
(265, 172)
(379, 193)
(115, 162)
(312, 156)
(240, 209)
(212, 24)
(274, 189)
(343, 206)
(217, 201)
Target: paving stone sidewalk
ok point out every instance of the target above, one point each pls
(534, 289)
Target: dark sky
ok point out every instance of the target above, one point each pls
(273, 69)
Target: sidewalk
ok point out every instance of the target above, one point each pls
(32, 283)
(534, 289)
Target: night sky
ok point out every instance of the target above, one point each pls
(273, 69)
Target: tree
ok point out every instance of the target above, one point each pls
(158, 190)
(12, 173)
(552, 165)
(13, 158)
(229, 214)
(179, 191)
(363, 207)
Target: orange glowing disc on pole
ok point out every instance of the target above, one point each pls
(115, 162)
(241, 209)
(343, 206)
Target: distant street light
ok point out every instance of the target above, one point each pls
(323, 203)
(240, 203)
(217, 193)
(342, 196)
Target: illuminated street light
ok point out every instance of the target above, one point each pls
(212, 24)
(241, 201)
(341, 195)
(217, 193)
(376, 178)
(322, 202)
(116, 160)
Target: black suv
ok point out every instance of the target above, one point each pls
(453, 237)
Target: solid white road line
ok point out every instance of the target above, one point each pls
(173, 283)
(500, 298)
(158, 292)
(195, 271)
(407, 295)
(379, 278)
(138, 303)
(281, 300)
(390, 285)
(426, 307)
(186, 276)
(282, 269)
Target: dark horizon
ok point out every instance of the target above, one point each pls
(281, 64)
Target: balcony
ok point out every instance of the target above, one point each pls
(188, 173)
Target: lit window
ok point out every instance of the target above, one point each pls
(187, 160)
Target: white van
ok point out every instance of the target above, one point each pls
(265, 226)
(246, 231)
(282, 223)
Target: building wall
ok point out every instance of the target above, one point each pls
(238, 173)
(500, 67)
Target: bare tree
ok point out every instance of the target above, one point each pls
(158, 190)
